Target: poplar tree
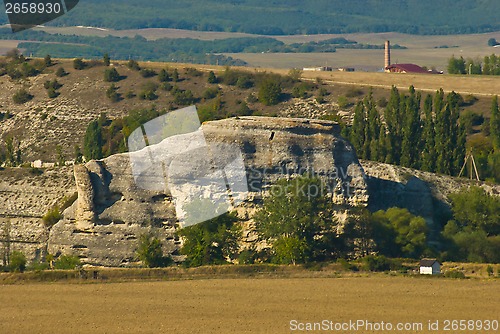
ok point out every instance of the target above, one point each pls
(495, 124)
(428, 162)
(92, 148)
(357, 133)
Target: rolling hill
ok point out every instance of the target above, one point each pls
(281, 17)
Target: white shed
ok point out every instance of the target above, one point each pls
(430, 267)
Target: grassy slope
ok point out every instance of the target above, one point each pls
(43, 123)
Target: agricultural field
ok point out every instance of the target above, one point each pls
(430, 51)
(262, 305)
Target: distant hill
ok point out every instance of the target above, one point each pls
(290, 16)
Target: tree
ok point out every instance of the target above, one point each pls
(79, 64)
(428, 162)
(149, 251)
(61, 159)
(17, 262)
(495, 123)
(409, 233)
(106, 60)
(474, 209)
(296, 214)
(175, 75)
(111, 75)
(270, 92)
(47, 61)
(358, 129)
(92, 148)
(78, 155)
(492, 42)
(212, 79)
(67, 262)
(112, 93)
(163, 76)
(214, 241)
(410, 145)
(456, 65)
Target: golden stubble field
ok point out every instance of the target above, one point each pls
(241, 305)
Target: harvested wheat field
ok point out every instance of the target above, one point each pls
(243, 305)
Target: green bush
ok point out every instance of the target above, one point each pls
(376, 263)
(489, 270)
(52, 216)
(54, 84)
(193, 72)
(79, 64)
(22, 96)
(52, 93)
(60, 72)
(130, 94)
(112, 93)
(148, 95)
(210, 93)
(184, 98)
(244, 110)
(111, 75)
(163, 76)
(300, 90)
(67, 262)
(212, 79)
(149, 251)
(133, 65)
(17, 262)
(346, 265)
(248, 256)
(270, 92)
(147, 73)
(244, 82)
(343, 102)
(454, 274)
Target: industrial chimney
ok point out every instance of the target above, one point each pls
(387, 54)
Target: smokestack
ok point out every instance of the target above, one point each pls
(387, 54)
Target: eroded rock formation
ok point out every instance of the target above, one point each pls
(113, 210)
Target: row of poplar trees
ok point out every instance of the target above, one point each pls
(430, 139)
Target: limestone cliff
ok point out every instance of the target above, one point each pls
(112, 210)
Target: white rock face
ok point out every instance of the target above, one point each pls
(111, 214)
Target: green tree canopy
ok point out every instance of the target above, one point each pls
(295, 219)
(214, 241)
(269, 92)
(149, 251)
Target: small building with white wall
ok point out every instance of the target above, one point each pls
(430, 267)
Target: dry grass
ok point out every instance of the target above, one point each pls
(240, 305)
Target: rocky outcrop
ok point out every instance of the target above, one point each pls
(113, 209)
(25, 197)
